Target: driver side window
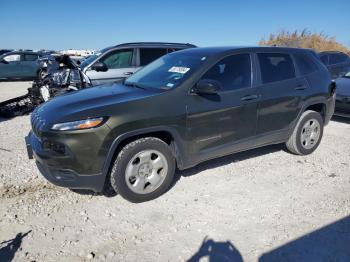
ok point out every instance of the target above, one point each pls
(12, 58)
(118, 59)
(233, 72)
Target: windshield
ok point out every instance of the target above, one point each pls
(168, 71)
(347, 75)
(88, 60)
(91, 58)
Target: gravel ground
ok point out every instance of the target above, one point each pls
(264, 204)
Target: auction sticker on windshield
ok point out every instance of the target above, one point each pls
(179, 69)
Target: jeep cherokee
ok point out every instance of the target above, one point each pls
(182, 109)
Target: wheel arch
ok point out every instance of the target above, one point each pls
(317, 106)
(166, 134)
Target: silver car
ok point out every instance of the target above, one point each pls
(114, 64)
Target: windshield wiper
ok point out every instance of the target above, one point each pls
(133, 84)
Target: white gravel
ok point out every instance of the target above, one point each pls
(244, 205)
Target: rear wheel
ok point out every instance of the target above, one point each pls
(307, 134)
(143, 170)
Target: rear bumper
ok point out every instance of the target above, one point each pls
(62, 176)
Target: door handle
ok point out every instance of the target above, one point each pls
(128, 73)
(249, 98)
(301, 87)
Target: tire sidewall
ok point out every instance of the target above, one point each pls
(307, 117)
(118, 172)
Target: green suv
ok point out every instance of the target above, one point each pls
(182, 109)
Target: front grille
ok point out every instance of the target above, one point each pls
(38, 123)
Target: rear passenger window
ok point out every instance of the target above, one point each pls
(305, 64)
(276, 67)
(233, 72)
(30, 57)
(148, 55)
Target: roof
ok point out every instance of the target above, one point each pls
(151, 44)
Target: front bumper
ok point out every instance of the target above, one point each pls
(69, 178)
(329, 109)
(63, 177)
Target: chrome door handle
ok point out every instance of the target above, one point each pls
(128, 73)
(300, 87)
(249, 98)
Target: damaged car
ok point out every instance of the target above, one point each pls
(58, 74)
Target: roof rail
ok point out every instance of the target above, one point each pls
(155, 43)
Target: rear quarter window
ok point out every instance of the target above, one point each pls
(305, 64)
(276, 67)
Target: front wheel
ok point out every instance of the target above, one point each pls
(42, 73)
(307, 134)
(143, 170)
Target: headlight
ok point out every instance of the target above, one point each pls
(80, 124)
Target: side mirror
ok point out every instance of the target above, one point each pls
(206, 87)
(99, 67)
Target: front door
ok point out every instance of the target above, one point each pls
(120, 64)
(30, 65)
(221, 123)
(11, 67)
(339, 64)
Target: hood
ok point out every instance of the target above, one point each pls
(90, 102)
(343, 86)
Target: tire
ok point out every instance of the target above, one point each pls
(143, 170)
(305, 139)
(41, 74)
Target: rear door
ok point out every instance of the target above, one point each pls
(120, 63)
(224, 122)
(281, 96)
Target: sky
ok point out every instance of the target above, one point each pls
(93, 24)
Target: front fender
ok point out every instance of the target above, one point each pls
(177, 147)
